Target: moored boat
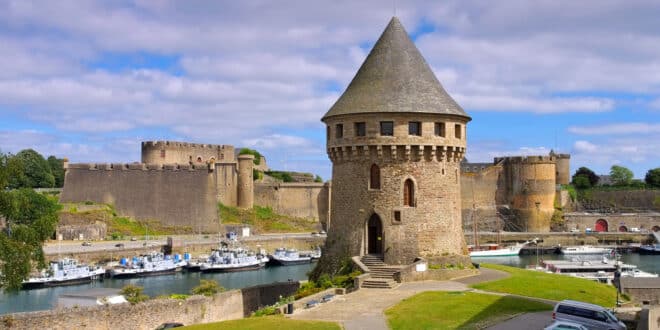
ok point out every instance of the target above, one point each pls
(496, 251)
(64, 272)
(233, 260)
(286, 257)
(153, 264)
(585, 249)
(649, 249)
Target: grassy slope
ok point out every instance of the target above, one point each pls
(550, 286)
(264, 220)
(453, 310)
(266, 322)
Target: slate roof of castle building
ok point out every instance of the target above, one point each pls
(395, 78)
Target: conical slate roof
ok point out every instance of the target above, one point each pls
(395, 78)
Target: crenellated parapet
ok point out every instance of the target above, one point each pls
(139, 167)
(396, 153)
(183, 145)
(527, 160)
(170, 152)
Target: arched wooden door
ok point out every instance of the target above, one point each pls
(601, 225)
(375, 235)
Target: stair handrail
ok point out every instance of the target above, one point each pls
(358, 262)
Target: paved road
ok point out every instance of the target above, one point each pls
(54, 247)
(529, 321)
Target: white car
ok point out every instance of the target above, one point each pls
(564, 325)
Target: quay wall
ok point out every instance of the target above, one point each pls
(615, 222)
(302, 200)
(175, 195)
(229, 305)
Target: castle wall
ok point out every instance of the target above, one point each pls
(480, 193)
(226, 178)
(643, 221)
(530, 183)
(302, 200)
(628, 200)
(174, 195)
(171, 152)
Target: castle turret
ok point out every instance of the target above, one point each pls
(395, 139)
(563, 164)
(245, 182)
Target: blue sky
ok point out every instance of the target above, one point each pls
(90, 80)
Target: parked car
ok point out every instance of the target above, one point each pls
(169, 325)
(86, 244)
(119, 245)
(575, 230)
(589, 315)
(634, 230)
(563, 325)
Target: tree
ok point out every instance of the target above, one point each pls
(620, 175)
(581, 182)
(248, 151)
(31, 170)
(57, 169)
(207, 288)
(653, 177)
(134, 294)
(586, 173)
(31, 219)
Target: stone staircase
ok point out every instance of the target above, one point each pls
(382, 276)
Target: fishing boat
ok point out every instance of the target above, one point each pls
(649, 249)
(585, 249)
(601, 271)
(286, 257)
(64, 272)
(233, 260)
(499, 251)
(152, 264)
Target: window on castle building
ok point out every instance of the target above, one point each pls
(409, 193)
(327, 133)
(440, 129)
(374, 183)
(387, 128)
(415, 128)
(360, 129)
(339, 131)
(199, 159)
(457, 131)
(162, 153)
(397, 216)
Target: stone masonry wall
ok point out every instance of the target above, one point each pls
(148, 315)
(174, 195)
(302, 200)
(171, 152)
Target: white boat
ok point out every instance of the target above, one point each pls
(500, 252)
(601, 271)
(585, 249)
(286, 257)
(64, 272)
(155, 263)
(233, 260)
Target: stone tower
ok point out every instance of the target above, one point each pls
(395, 139)
(563, 166)
(245, 181)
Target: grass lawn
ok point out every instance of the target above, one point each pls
(454, 310)
(549, 286)
(266, 322)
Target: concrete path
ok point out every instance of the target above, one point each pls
(363, 309)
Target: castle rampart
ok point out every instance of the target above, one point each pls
(310, 200)
(169, 152)
(176, 195)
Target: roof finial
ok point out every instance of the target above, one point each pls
(394, 7)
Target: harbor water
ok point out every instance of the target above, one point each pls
(181, 282)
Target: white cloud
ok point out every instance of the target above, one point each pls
(629, 152)
(616, 129)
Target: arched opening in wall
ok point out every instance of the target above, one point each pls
(374, 182)
(408, 193)
(656, 228)
(623, 229)
(199, 159)
(601, 225)
(375, 235)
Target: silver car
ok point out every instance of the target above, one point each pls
(565, 325)
(591, 316)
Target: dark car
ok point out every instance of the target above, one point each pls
(86, 244)
(119, 245)
(169, 325)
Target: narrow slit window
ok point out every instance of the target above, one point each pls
(162, 153)
(397, 216)
(374, 183)
(409, 193)
(457, 131)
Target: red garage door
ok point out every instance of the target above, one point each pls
(601, 225)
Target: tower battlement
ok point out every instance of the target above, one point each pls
(396, 153)
(177, 144)
(138, 167)
(526, 159)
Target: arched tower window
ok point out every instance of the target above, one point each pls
(374, 183)
(408, 193)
